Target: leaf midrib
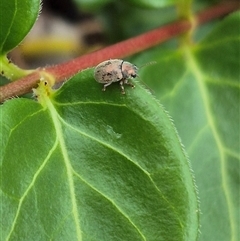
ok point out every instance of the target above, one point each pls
(60, 139)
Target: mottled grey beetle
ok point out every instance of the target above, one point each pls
(115, 70)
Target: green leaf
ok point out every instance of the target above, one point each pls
(17, 18)
(200, 88)
(93, 165)
(218, 63)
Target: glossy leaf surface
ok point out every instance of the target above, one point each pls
(93, 165)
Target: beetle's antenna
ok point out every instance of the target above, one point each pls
(146, 64)
(149, 63)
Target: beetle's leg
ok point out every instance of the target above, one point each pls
(122, 87)
(104, 87)
(128, 83)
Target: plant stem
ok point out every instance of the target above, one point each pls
(122, 49)
(10, 70)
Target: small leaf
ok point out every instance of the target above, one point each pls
(17, 18)
(93, 165)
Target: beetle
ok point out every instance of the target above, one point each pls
(115, 70)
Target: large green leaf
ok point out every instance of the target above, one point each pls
(93, 165)
(199, 86)
(17, 18)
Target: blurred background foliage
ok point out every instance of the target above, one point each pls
(66, 29)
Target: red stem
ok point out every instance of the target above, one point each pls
(217, 11)
(119, 50)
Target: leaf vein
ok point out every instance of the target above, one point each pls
(31, 184)
(55, 118)
(114, 204)
(134, 163)
(200, 80)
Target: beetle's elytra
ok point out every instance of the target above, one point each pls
(115, 70)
